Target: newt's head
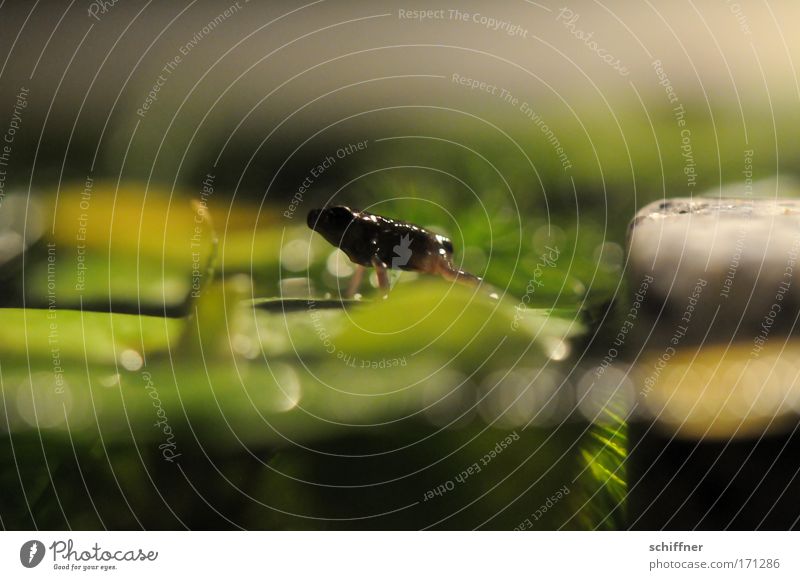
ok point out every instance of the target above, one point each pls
(331, 222)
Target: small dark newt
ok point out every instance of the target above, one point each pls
(383, 243)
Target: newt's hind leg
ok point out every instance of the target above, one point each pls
(452, 274)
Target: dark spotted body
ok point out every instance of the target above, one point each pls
(373, 240)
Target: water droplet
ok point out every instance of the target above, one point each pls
(339, 264)
(548, 235)
(288, 387)
(296, 255)
(110, 381)
(131, 360)
(609, 256)
(42, 402)
(555, 348)
(296, 288)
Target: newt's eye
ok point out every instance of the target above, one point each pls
(339, 215)
(330, 220)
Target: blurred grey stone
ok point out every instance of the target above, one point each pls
(718, 269)
(715, 439)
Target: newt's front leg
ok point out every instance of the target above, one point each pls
(383, 276)
(355, 281)
(358, 278)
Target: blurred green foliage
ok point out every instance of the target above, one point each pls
(285, 412)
